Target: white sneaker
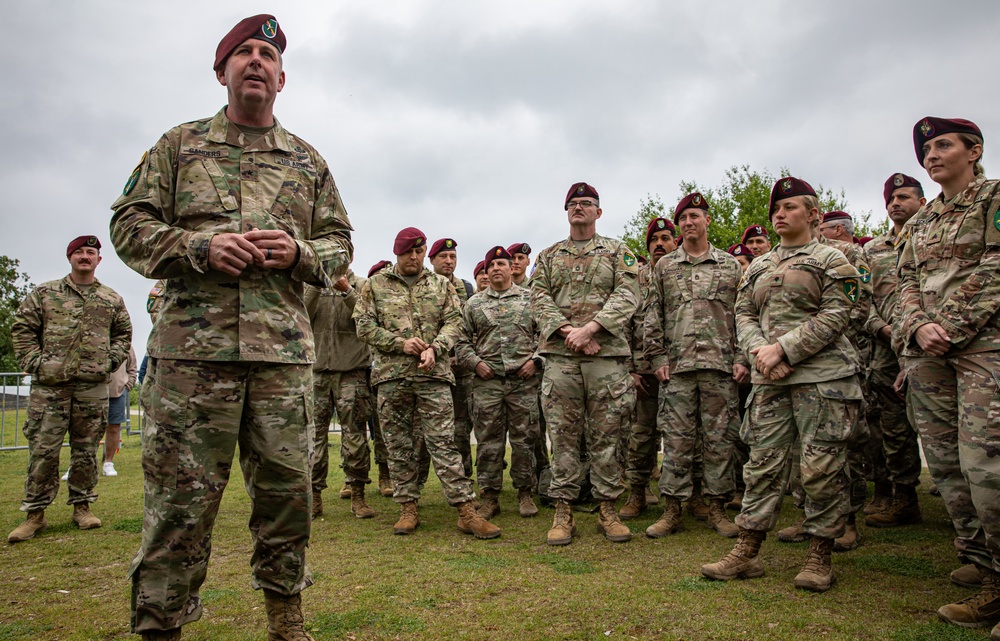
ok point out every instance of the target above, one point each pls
(65, 477)
(109, 469)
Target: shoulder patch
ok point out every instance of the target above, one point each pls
(852, 289)
(996, 220)
(866, 274)
(133, 179)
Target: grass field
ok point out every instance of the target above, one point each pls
(441, 584)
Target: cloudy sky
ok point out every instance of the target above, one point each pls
(471, 119)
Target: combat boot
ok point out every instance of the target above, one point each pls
(610, 525)
(31, 526)
(851, 537)
(903, 510)
(735, 503)
(408, 519)
(173, 634)
(84, 518)
(360, 509)
(470, 522)
(880, 501)
(285, 621)
(525, 505)
(967, 576)
(742, 562)
(995, 633)
(563, 530)
(817, 573)
(793, 533)
(384, 482)
(635, 505)
(670, 522)
(652, 498)
(696, 504)
(345, 492)
(490, 505)
(977, 611)
(317, 504)
(719, 521)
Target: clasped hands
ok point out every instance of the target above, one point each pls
(770, 361)
(268, 248)
(581, 339)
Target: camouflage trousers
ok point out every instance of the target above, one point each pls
(81, 410)
(375, 434)
(542, 444)
(823, 416)
(954, 402)
(587, 399)
(197, 412)
(505, 407)
(698, 410)
(348, 394)
(461, 395)
(891, 428)
(642, 439)
(415, 411)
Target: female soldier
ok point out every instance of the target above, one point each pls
(792, 308)
(949, 333)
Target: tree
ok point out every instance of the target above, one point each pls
(14, 286)
(740, 201)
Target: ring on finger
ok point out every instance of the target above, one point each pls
(269, 253)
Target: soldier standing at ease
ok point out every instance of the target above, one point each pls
(411, 318)
(521, 253)
(237, 214)
(69, 335)
(583, 293)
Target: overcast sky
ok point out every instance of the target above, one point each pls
(470, 119)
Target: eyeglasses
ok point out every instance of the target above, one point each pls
(583, 204)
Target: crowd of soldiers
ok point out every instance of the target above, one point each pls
(808, 368)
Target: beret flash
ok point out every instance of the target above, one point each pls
(930, 127)
(261, 27)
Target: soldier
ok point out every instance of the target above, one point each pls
(499, 346)
(479, 275)
(755, 238)
(948, 333)
(69, 335)
(742, 254)
(411, 318)
(690, 339)
(374, 428)
(583, 293)
(792, 308)
(340, 382)
(838, 225)
(237, 214)
(519, 266)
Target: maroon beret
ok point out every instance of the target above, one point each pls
(262, 27)
(930, 127)
(442, 244)
(658, 224)
(752, 232)
(377, 267)
(691, 201)
(836, 215)
(493, 254)
(788, 187)
(897, 181)
(80, 241)
(407, 239)
(579, 190)
(480, 267)
(519, 248)
(864, 240)
(739, 249)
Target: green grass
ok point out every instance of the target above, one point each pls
(441, 584)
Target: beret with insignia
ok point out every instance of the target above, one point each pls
(497, 252)
(407, 239)
(897, 181)
(579, 190)
(788, 187)
(930, 127)
(83, 241)
(693, 200)
(519, 248)
(260, 27)
(377, 267)
(739, 249)
(752, 232)
(658, 224)
(442, 244)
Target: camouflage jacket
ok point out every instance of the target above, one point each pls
(881, 253)
(389, 311)
(498, 330)
(855, 254)
(690, 324)
(203, 178)
(459, 285)
(636, 327)
(574, 287)
(949, 271)
(61, 335)
(338, 348)
(801, 298)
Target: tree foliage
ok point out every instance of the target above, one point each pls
(740, 201)
(14, 286)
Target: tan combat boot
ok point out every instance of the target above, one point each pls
(470, 522)
(967, 576)
(652, 496)
(977, 611)
(525, 505)
(742, 562)
(635, 505)
(670, 522)
(817, 573)
(735, 503)
(408, 519)
(610, 525)
(31, 526)
(360, 509)
(84, 518)
(317, 504)
(719, 521)
(793, 533)
(384, 482)
(851, 538)
(162, 635)
(696, 504)
(903, 510)
(285, 621)
(490, 505)
(345, 492)
(563, 530)
(881, 499)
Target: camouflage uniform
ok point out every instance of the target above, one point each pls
(69, 338)
(585, 396)
(340, 382)
(229, 356)
(801, 298)
(949, 274)
(414, 406)
(690, 327)
(461, 395)
(500, 332)
(639, 441)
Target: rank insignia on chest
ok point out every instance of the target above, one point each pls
(866, 274)
(851, 289)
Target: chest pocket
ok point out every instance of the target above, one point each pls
(970, 235)
(202, 190)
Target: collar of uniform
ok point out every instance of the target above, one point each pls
(510, 291)
(76, 288)
(684, 257)
(218, 132)
(968, 195)
(783, 252)
(394, 271)
(596, 241)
